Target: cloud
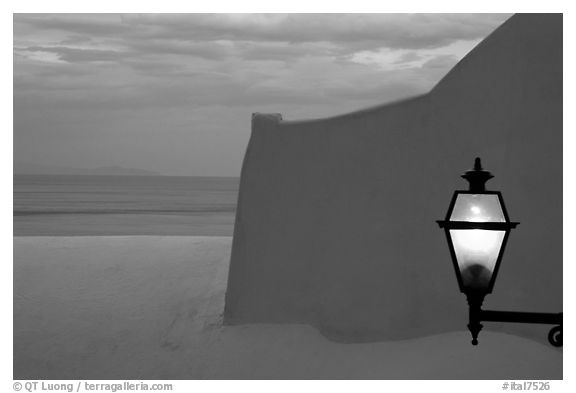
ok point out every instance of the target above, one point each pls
(76, 24)
(441, 62)
(411, 31)
(81, 81)
(76, 55)
(408, 57)
(202, 49)
(354, 31)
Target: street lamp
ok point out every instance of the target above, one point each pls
(477, 229)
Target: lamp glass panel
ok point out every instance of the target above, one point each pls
(476, 252)
(477, 208)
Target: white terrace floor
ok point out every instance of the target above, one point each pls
(150, 308)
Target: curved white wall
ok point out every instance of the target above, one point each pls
(335, 224)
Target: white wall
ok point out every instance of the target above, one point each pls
(335, 224)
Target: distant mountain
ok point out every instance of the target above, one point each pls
(33, 169)
(120, 171)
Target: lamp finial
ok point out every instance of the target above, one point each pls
(477, 177)
(477, 164)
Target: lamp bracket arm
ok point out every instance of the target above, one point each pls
(520, 317)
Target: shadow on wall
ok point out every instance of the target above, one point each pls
(335, 224)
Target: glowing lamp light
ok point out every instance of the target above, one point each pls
(477, 228)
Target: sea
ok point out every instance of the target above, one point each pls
(78, 205)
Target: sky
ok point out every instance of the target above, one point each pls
(174, 93)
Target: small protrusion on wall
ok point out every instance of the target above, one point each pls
(264, 120)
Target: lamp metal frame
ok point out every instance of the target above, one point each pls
(477, 178)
